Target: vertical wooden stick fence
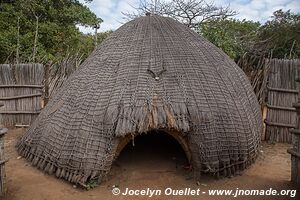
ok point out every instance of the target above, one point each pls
(21, 91)
(3, 131)
(282, 92)
(295, 150)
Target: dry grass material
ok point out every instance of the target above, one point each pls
(257, 70)
(282, 93)
(21, 92)
(153, 168)
(152, 73)
(57, 73)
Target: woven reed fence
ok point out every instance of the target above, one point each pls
(257, 70)
(282, 93)
(295, 150)
(3, 160)
(21, 91)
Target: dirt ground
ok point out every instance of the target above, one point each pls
(143, 167)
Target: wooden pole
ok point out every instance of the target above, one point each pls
(295, 150)
(3, 131)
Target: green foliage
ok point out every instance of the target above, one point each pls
(91, 184)
(102, 36)
(58, 34)
(281, 35)
(277, 38)
(87, 41)
(232, 36)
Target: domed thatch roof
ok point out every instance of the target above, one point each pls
(152, 73)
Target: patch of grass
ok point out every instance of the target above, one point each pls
(91, 184)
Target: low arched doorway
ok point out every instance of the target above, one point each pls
(156, 150)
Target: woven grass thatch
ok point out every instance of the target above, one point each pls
(152, 73)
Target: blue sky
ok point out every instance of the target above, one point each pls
(257, 10)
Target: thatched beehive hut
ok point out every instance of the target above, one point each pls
(153, 73)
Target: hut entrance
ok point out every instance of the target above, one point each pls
(153, 152)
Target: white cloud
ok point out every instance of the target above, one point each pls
(111, 12)
(262, 10)
(257, 10)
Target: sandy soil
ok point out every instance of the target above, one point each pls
(142, 167)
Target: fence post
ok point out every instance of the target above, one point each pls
(3, 131)
(295, 150)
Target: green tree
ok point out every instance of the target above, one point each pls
(277, 38)
(51, 23)
(280, 35)
(233, 36)
(87, 41)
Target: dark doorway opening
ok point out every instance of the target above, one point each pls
(155, 152)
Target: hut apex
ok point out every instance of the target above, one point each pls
(152, 74)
